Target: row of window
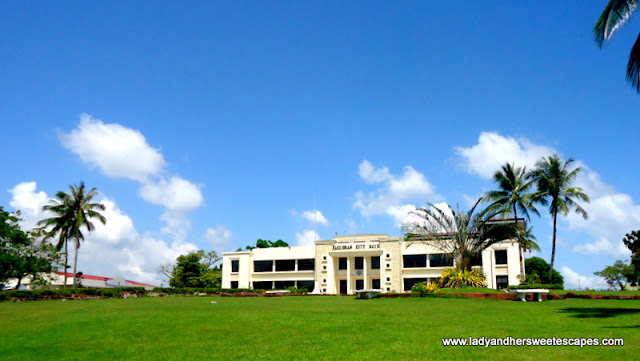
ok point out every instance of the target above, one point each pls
(408, 261)
(359, 263)
(444, 260)
(283, 265)
(281, 285)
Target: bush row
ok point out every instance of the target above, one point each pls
(68, 292)
(537, 285)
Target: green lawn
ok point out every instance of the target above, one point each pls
(292, 328)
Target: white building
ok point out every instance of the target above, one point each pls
(345, 264)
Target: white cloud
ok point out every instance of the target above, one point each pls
(118, 151)
(611, 213)
(395, 192)
(112, 249)
(307, 237)
(176, 194)
(573, 280)
(29, 202)
(493, 150)
(314, 216)
(604, 246)
(218, 236)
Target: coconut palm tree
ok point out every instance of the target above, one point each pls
(73, 211)
(553, 178)
(462, 235)
(513, 195)
(615, 14)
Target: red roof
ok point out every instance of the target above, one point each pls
(99, 278)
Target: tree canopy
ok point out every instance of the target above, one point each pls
(538, 272)
(263, 243)
(194, 269)
(618, 275)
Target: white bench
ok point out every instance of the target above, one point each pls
(278, 292)
(537, 293)
(368, 293)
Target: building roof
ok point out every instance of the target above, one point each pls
(100, 278)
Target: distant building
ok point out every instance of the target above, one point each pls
(56, 280)
(345, 264)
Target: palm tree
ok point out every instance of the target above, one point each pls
(553, 178)
(615, 15)
(513, 195)
(462, 235)
(73, 212)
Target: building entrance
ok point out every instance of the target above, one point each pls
(343, 287)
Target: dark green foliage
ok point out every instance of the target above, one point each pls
(196, 269)
(263, 243)
(20, 254)
(618, 275)
(632, 241)
(538, 273)
(69, 292)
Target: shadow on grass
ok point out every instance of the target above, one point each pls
(598, 312)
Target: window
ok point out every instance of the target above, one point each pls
(375, 283)
(440, 260)
(502, 282)
(306, 264)
(262, 285)
(281, 285)
(501, 256)
(375, 262)
(414, 260)
(285, 265)
(306, 284)
(359, 262)
(262, 266)
(324, 280)
(388, 279)
(235, 266)
(234, 284)
(359, 284)
(409, 282)
(324, 258)
(476, 260)
(388, 256)
(342, 263)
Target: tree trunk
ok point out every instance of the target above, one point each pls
(521, 252)
(66, 262)
(75, 264)
(19, 283)
(553, 246)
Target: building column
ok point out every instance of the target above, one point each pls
(383, 279)
(366, 278)
(348, 275)
(331, 278)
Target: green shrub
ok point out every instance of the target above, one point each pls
(425, 288)
(537, 285)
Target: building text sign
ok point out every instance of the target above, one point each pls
(358, 246)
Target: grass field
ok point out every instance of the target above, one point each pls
(326, 328)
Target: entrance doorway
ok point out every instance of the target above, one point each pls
(343, 287)
(359, 284)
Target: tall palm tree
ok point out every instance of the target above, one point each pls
(513, 195)
(462, 235)
(615, 14)
(553, 178)
(73, 211)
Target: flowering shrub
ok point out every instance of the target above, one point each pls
(425, 288)
(453, 277)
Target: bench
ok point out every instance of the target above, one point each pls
(368, 293)
(537, 293)
(278, 292)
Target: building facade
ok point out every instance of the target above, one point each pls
(345, 264)
(56, 280)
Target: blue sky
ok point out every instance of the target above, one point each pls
(212, 124)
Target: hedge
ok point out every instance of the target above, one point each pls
(537, 286)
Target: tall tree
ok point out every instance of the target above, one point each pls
(553, 178)
(194, 269)
(615, 14)
(462, 235)
(514, 194)
(21, 254)
(73, 211)
(632, 241)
